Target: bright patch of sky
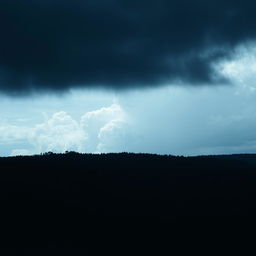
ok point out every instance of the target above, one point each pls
(167, 120)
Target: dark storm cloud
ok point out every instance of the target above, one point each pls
(57, 44)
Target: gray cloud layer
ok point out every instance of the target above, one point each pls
(54, 45)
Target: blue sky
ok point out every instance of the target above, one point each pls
(170, 119)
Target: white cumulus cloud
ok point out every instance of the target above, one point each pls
(106, 127)
(59, 134)
(96, 131)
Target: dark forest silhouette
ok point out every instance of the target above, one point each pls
(80, 200)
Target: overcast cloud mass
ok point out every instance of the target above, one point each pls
(59, 44)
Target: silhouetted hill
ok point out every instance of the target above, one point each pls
(73, 201)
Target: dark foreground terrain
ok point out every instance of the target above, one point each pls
(57, 204)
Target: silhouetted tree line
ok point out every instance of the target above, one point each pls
(76, 200)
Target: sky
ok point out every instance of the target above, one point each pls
(166, 77)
